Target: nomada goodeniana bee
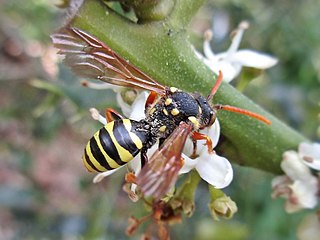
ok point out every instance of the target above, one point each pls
(172, 115)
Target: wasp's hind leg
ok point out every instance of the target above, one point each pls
(112, 115)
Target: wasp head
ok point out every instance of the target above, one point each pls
(208, 113)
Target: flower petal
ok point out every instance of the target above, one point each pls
(213, 132)
(138, 106)
(230, 69)
(125, 107)
(188, 165)
(292, 207)
(135, 164)
(188, 147)
(215, 170)
(310, 154)
(280, 181)
(306, 192)
(100, 176)
(250, 58)
(280, 186)
(294, 168)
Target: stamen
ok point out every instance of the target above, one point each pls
(236, 38)
(97, 116)
(206, 45)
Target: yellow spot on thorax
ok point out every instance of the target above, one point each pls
(152, 110)
(165, 112)
(163, 128)
(168, 101)
(173, 89)
(175, 112)
(194, 121)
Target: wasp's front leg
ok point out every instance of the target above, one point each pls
(201, 136)
(195, 148)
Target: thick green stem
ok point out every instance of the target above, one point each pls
(161, 49)
(183, 12)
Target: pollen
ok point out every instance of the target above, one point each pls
(194, 121)
(173, 89)
(165, 112)
(163, 128)
(175, 112)
(168, 101)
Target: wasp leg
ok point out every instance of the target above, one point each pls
(112, 115)
(194, 152)
(151, 99)
(130, 178)
(200, 136)
(144, 157)
(161, 140)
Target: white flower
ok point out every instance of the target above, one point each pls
(298, 186)
(310, 154)
(231, 61)
(130, 94)
(212, 168)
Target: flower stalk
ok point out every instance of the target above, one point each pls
(184, 197)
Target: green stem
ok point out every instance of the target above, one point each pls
(184, 11)
(162, 50)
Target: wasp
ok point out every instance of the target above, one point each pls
(171, 115)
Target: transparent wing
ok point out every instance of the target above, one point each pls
(161, 171)
(89, 57)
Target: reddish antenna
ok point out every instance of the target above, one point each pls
(232, 108)
(216, 86)
(242, 111)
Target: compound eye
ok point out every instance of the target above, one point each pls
(212, 118)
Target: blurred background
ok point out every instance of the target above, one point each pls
(45, 192)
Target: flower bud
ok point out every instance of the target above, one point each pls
(221, 205)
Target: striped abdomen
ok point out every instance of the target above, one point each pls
(113, 145)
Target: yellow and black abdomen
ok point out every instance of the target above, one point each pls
(114, 145)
